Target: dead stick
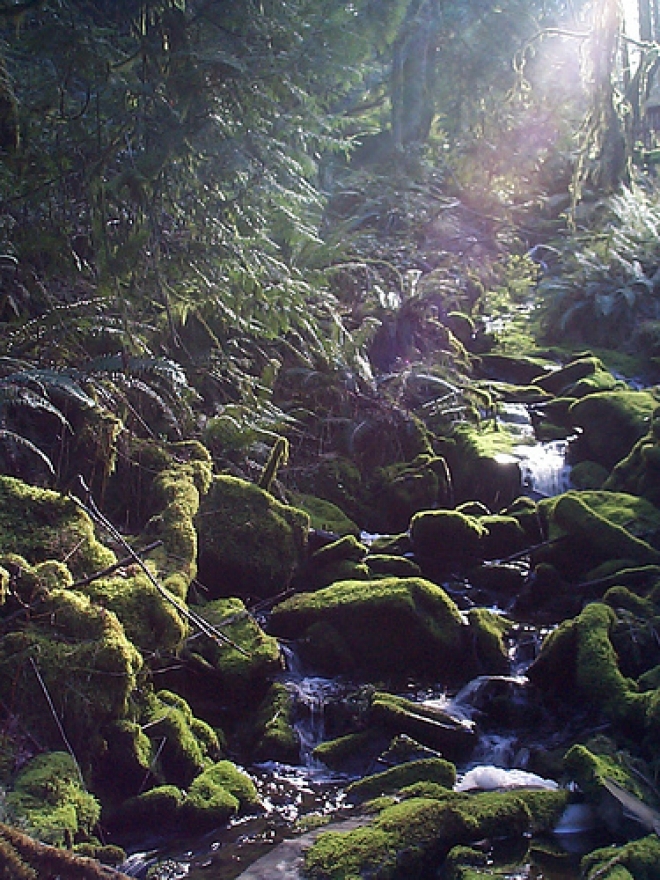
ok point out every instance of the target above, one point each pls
(120, 564)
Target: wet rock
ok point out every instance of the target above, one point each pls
(250, 544)
(429, 725)
(435, 770)
(560, 381)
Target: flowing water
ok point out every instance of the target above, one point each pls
(298, 798)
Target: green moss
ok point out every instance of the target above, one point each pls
(150, 621)
(125, 765)
(250, 543)
(446, 535)
(86, 664)
(428, 725)
(50, 800)
(578, 658)
(612, 422)
(560, 381)
(160, 808)
(381, 622)
(348, 548)
(395, 778)
(273, 735)
(592, 765)
(218, 793)
(588, 475)
(637, 860)
(381, 564)
(402, 489)
(337, 753)
(489, 631)
(248, 658)
(324, 515)
(407, 838)
(43, 525)
(182, 752)
(503, 536)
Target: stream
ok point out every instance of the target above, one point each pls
(300, 800)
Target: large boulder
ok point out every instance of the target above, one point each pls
(611, 423)
(250, 544)
(383, 626)
(591, 527)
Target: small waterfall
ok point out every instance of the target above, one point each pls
(311, 694)
(543, 468)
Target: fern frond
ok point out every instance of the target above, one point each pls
(22, 442)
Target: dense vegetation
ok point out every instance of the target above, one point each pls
(240, 236)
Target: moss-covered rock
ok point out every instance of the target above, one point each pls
(488, 633)
(435, 770)
(412, 837)
(611, 423)
(218, 793)
(49, 799)
(578, 661)
(272, 736)
(79, 655)
(42, 525)
(388, 624)
(426, 724)
(186, 745)
(639, 472)
(241, 661)
(446, 536)
(402, 489)
(482, 467)
(125, 765)
(618, 793)
(150, 621)
(249, 543)
(159, 808)
(560, 381)
(637, 860)
(504, 536)
(324, 515)
(590, 527)
(386, 565)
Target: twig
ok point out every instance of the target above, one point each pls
(192, 617)
(60, 727)
(120, 564)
